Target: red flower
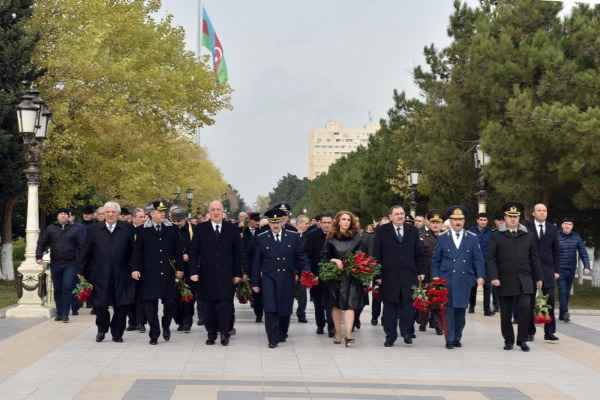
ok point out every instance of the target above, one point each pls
(308, 279)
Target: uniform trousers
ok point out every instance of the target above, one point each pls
(116, 323)
(522, 303)
(151, 311)
(276, 327)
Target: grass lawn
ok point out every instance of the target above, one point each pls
(8, 293)
(585, 296)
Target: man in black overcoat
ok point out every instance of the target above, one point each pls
(249, 234)
(106, 254)
(399, 250)
(156, 262)
(514, 268)
(546, 235)
(184, 313)
(216, 259)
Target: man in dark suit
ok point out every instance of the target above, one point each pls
(184, 313)
(514, 268)
(106, 254)
(156, 262)
(278, 260)
(217, 257)
(548, 251)
(400, 252)
(249, 235)
(313, 246)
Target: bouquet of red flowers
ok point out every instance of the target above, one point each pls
(83, 290)
(420, 298)
(362, 267)
(243, 292)
(376, 293)
(184, 291)
(437, 293)
(308, 279)
(329, 272)
(542, 309)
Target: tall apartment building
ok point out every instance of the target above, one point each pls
(334, 141)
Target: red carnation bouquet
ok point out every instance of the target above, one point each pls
(83, 290)
(542, 309)
(437, 292)
(362, 267)
(243, 292)
(376, 292)
(420, 298)
(308, 279)
(184, 291)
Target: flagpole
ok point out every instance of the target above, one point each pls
(199, 52)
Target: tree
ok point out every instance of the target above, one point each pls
(289, 189)
(16, 47)
(126, 98)
(261, 204)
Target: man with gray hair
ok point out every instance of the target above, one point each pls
(107, 251)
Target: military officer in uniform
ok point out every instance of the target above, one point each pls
(514, 268)
(458, 259)
(278, 259)
(249, 235)
(156, 261)
(429, 237)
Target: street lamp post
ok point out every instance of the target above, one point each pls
(33, 118)
(177, 194)
(189, 193)
(481, 159)
(413, 181)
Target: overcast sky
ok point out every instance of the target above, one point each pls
(293, 65)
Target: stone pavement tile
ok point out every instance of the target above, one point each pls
(11, 326)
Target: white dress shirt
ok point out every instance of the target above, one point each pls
(457, 240)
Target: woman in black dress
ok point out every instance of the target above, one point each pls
(345, 296)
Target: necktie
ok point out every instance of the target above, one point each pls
(218, 229)
(111, 228)
(277, 237)
(399, 232)
(158, 228)
(541, 230)
(457, 235)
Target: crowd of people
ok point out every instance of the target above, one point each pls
(134, 258)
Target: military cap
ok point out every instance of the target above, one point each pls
(89, 209)
(274, 215)
(567, 218)
(456, 212)
(125, 211)
(285, 207)
(63, 210)
(512, 209)
(159, 206)
(435, 216)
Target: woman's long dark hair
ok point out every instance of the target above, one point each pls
(335, 231)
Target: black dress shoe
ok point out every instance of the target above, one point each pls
(272, 345)
(551, 337)
(302, 320)
(422, 328)
(523, 346)
(232, 332)
(65, 319)
(357, 324)
(529, 338)
(566, 317)
(457, 344)
(283, 339)
(100, 336)
(142, 329)
(167, 334)
(471, 310)
(117, 340)
(449, 346)
(225, 341)
(75, 312)
(413, 336)
(258, 320)
(153, 342)
(331, 333)
(408, 340)
(200, 322)
(210, 342)
(320, 330)
(439, 332)
(180, 328)
(388, 343)
(93, 312)
(131, 328)
(508, 346)
(374, 322)
(488, 313)
(187, 329)
(58, 318)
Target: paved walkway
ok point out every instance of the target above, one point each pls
(50, 360)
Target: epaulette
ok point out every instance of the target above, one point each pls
(263, 233)
(471, 233)
(289, 231)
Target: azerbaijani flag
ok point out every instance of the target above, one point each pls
(211, 41)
